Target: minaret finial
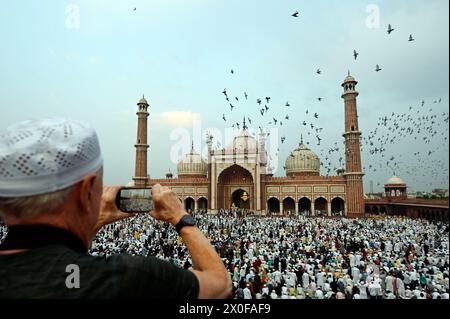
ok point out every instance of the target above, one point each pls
(301, 139)
(192, 147)
(245, 125)
(348, 72)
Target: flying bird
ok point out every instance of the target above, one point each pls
(318, 140)
(296, 14)
(319, 71)
(390, 29)
(355, 54)
(411, 39)
(378, 69)
(246, 95)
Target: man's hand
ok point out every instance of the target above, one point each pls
(109, 213)
(168, 207)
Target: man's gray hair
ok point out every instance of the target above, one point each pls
(23, 208)
(29, 207)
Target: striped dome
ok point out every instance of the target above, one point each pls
(192, 164)
(303, 160)
(244, 141)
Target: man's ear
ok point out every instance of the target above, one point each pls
(87, 192)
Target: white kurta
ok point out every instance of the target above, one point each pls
(389, 283)
(363, 290)
(247, 294)
(319, 279)
(352, 261)
(356, 274)
(401, 288)
(305, 280)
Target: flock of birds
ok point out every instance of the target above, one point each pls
(414, 126)
(376, 147)
(421, 126)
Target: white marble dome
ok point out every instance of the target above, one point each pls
(192, 164)
(395, 180)
(303, 161)
(244, 141)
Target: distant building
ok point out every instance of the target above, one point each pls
(396, 187)
(396, 201)
(440, 192)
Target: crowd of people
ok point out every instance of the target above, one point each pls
(303, 258)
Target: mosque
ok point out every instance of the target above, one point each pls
(239, 176)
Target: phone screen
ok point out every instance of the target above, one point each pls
(135, 200)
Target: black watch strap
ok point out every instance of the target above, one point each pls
(186, 220)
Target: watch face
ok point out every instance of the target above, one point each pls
(188, 220)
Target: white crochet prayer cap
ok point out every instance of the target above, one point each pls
(46, 155)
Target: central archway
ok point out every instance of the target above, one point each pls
(240, 199)
(232, 180)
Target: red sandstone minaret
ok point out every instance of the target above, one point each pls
(141, 178)
(354, 174)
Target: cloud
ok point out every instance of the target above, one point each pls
(178, 118)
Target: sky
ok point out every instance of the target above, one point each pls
(92, 60)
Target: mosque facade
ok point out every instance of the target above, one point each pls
(238, 176)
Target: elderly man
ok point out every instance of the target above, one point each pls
(53, 201)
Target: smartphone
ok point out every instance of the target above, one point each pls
(135, 200)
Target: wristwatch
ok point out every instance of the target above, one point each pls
(186, 220)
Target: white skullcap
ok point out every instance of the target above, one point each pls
(47, 155)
